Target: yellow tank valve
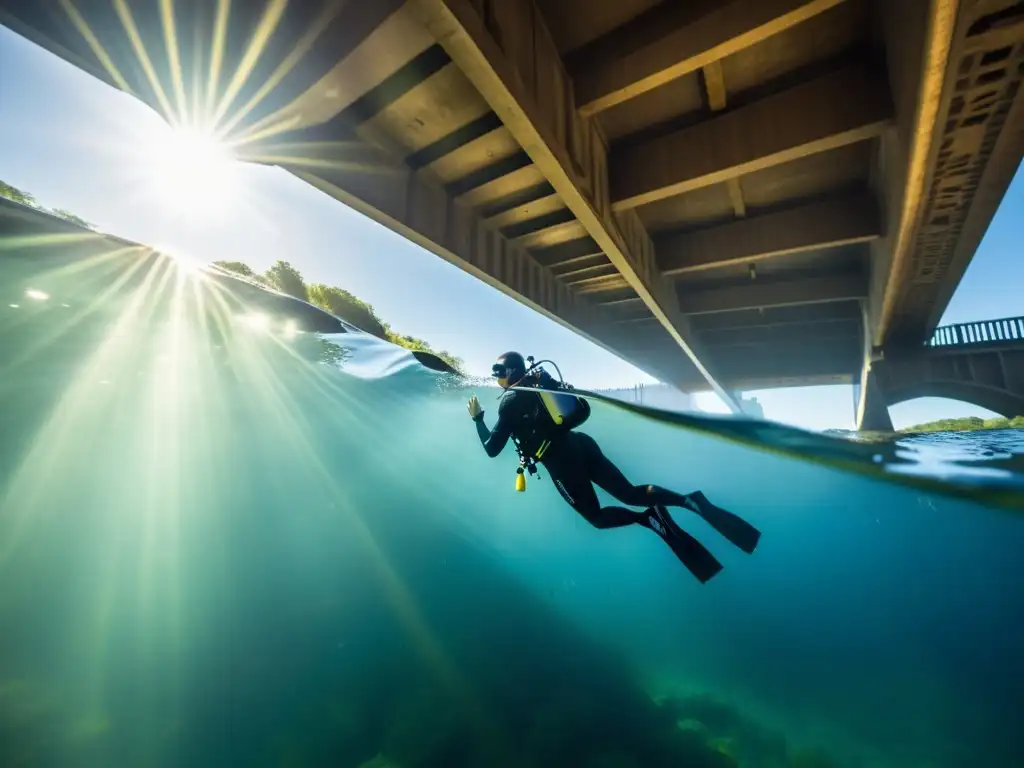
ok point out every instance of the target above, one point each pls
(520, 480)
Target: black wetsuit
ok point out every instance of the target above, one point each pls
(574, 460)
(576, 463)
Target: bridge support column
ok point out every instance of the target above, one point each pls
(873, 414)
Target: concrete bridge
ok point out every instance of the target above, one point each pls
(731, 194)
(979, 363)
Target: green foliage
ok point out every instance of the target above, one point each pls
(20, 196)
(237, 267)
(343, 304)
(419, 345)
(339, 302)
(68, 216)
(967, 424)
(286, 279)
(17, 195)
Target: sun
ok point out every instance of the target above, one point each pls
(192, 173)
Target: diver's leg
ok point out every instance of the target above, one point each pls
(606, 475)
(570, 478)
(697, 559)
(603, 472)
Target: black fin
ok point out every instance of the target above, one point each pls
(691, 553)
(735, 529)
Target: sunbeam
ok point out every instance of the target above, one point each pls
(191, 173)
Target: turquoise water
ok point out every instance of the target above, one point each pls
(226, 544)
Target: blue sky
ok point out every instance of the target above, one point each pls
(77, 144)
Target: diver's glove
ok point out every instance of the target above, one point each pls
(476, 411)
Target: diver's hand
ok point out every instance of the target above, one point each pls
(474, 407)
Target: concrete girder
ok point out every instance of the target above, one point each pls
(811, 290)
(777, 317)
(800, 121)
(417, 207)
(714, 88)
(823, 357)
(572, 266)
(527, 212)
(756, 336)
(674, 39)
(564, 253)
(512, 60)
(824, 224)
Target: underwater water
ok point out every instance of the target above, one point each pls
(227, 543)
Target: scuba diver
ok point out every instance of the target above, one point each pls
(540, 425)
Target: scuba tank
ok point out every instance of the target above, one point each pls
(562, 407)
(565, 410)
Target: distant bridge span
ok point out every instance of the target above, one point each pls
(979, 363)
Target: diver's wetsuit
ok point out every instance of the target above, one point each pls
(575, 462)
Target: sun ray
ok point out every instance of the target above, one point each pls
(21, 242)
(128, 22)
(79, 22)
(53, 442)
(272, 14)
(218, 43)
(323, 20)
(41, 341)
(173, 55)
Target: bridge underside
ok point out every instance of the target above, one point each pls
(726, 193)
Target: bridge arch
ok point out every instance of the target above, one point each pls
(992, 399)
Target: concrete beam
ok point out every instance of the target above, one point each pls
(757, 336)
(801, 121)
(778, 316)
(813, 290)
(714, 88)
(674, 39)
(422, 210)
(922, 67)
(825, 224)
(509, 55)
(812, 358)
(783, 381)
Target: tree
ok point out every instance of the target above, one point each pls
(242, 270)
(967, 423)
(68, 216)
(237, 267)
(17, 195)
(343, 304)
(419, 345)
(286, 278)
(339, 302)
(20, 196)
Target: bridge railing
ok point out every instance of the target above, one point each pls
(982, 332)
